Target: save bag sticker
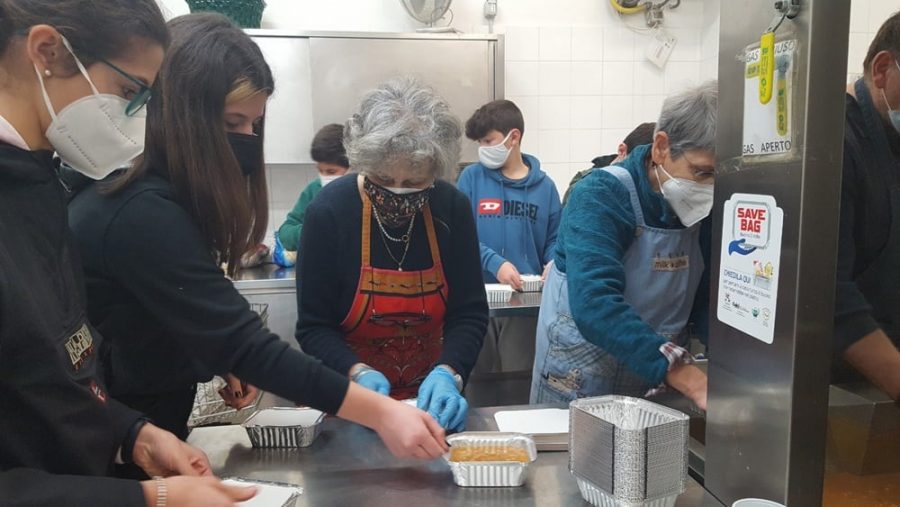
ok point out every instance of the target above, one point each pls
(767, 126)
(751, 259)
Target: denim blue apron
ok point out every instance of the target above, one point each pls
(663, 268)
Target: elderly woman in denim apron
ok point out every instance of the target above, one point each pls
(630, 265)
(389, 287)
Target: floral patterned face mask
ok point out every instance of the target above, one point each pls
(394, 209)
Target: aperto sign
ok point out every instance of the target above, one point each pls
(767, 126)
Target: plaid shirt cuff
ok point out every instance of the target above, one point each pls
(676, 356)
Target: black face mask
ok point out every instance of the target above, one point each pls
(248, 150)
(395, 210)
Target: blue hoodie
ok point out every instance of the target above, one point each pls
(517, 220)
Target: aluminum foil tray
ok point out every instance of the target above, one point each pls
(631, 449)
(491, 474)
(532, 283)
(498, 292)
(284, 427)
(599, 498)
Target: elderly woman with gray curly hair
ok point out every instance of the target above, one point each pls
(630, 271)
(389, 288)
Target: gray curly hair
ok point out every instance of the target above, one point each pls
(403, 121)
(689, 119)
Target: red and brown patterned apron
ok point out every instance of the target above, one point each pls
(396, 321)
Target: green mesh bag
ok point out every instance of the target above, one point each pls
(246, 13)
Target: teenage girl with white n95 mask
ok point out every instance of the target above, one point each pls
(74, 77)
(631, 267)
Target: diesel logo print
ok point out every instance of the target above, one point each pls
(671, 263)
(80, 346)
(490, 206)
(516, 209)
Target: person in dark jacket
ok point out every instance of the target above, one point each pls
(74, 75)
(389, 288)
(153, 239)
(641, 135)
(867, 297)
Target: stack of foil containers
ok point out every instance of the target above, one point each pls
(627, 452)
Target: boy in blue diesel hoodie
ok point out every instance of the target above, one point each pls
(517, 212)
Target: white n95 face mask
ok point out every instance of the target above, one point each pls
(690, 200)
(93, 134)
(493, 157)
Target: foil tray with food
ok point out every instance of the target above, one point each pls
(490, 459)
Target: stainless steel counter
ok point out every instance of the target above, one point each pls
(272, 279)
(522, 304)
(348, 465)
(266, 277)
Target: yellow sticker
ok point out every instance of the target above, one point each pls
(752, 70)
(781, 118)
(766, 66)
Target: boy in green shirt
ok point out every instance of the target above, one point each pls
(331, 160)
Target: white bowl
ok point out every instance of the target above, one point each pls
(755, 502)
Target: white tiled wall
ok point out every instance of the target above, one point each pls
(866, 16)
(285, 184)
(709, 40)
(573, 67)
(584, 83)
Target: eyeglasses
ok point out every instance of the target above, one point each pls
(141, 98)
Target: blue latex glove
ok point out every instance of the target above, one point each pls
(282, 257)
(373, 380)
(440, 398)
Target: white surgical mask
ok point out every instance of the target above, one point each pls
(493, 157)
(93, 134)
(690, 200)
(326, 179)
(893, 114)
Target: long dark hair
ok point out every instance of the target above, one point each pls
(210, 62)
(95, 28)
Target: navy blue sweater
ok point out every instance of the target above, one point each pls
(329, 260)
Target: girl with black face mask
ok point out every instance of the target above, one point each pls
(152, 241)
